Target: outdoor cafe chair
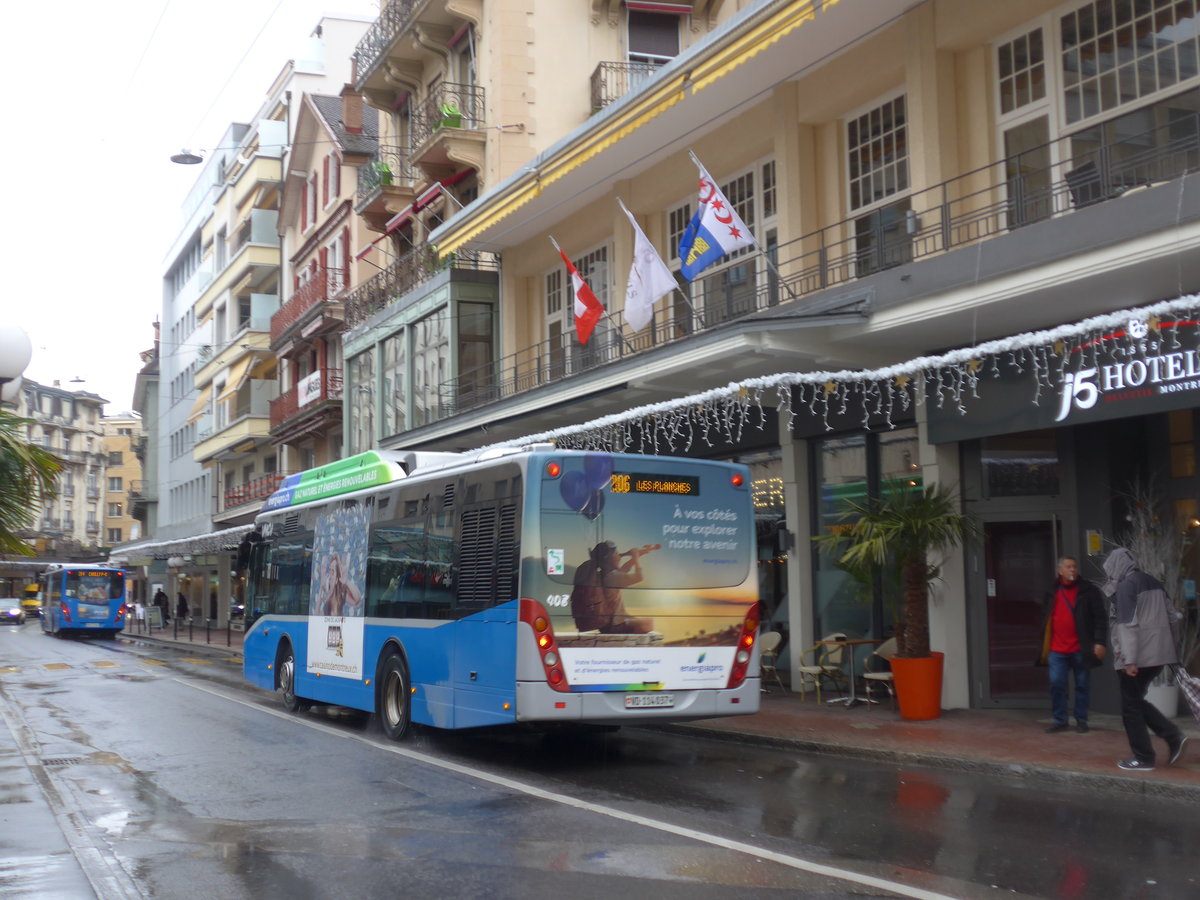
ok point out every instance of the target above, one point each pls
(877, 669)
(826, 665)
(768, 651)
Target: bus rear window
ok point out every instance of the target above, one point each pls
(95, 587)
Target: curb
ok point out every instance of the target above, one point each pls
(146, 640)
(1067, 778)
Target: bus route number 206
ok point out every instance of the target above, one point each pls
(558, 599)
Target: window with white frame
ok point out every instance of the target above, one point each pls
(311, 198)
(395, 363)
(877, 173)
(362, 401)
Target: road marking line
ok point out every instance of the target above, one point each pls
(783, 859)
(152, 662)
(56, 665)
(8, 670)
(194, 661)
(105, 664)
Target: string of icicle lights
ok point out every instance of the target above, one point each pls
(947, 380)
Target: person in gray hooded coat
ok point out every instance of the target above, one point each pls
(1142, 626)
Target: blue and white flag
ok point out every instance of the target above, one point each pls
(716, 229)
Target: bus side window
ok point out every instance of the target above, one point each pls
(259, 598)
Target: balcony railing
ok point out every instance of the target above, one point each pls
(255, 489)
(389, 167)
(379, 37)
(323, 384)
(406, 273)
(448, 105)
(327, 284)
(613, 80)
(1009, 194)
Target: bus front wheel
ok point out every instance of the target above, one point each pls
(287, 683)
(394, 697)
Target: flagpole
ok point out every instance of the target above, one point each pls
(678, 289)
(766, 257)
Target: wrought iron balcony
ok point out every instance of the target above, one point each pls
(389, 167)
(321, 385)
(374, 45)
(253, 490)
(613, 80)
(982, 204)
(448, 106)
(408, 272)
(326, 286)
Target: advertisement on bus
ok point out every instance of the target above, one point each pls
(339, 566)
(647, 575)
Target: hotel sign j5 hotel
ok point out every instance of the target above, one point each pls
(1149, 366)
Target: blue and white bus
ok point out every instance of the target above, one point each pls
(508, 586)
(82, 599)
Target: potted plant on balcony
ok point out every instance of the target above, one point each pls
(451, 117)
(906, 526)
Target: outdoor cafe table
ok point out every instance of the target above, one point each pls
(850, 644)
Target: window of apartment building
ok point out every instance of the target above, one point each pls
(221, 245)
(115, 457)
(877, 171)
(652, 37)
(244, 312)
(431, 365)
(310, 205)
(462, 57)
(362, 401)
(114, 535)
(116, 484)
(114, 510)
(395, 398)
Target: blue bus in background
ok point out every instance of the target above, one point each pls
(507, 586)
(82, 599)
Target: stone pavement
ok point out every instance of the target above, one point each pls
(1006, 742)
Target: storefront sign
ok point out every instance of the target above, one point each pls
(308, 389)
(1148, 367)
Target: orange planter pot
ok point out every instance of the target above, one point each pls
(919, 685)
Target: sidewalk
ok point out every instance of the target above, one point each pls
(1007, 742)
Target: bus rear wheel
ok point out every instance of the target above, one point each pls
(287, 684)
(394, 697)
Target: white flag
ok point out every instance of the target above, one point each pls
(649, 279)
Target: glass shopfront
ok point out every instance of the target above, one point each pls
(855, 468)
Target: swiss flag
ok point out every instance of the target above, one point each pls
(588, 309)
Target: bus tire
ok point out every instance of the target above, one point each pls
(287, 682)
(395, 699)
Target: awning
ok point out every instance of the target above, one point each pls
(399, 219)
(237, 376)
(200, 407)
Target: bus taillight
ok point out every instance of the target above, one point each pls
(534, 615)
(745, 648)
(64, 612)
(121, 612)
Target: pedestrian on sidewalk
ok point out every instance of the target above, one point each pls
(164, 605)
(181, 607)
(1142, 625)
(1074, 631)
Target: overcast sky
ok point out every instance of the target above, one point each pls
(100, 96)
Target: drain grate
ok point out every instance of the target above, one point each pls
(57, 761)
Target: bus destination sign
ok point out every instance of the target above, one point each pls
(642, 483)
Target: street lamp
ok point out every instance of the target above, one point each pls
(186, 158)
(15, 353)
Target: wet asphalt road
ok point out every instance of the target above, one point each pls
(143, 771)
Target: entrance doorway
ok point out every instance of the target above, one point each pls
(1019, 560)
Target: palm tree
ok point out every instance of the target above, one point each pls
(905, 525)
(27, 478)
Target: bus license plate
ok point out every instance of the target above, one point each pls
(642, 701)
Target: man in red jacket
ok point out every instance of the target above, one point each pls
(1076, 626)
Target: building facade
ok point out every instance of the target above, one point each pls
(70, 424)
(953, 205)
(123, 478)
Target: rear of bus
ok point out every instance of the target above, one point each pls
(87, 600)
(639, 593)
